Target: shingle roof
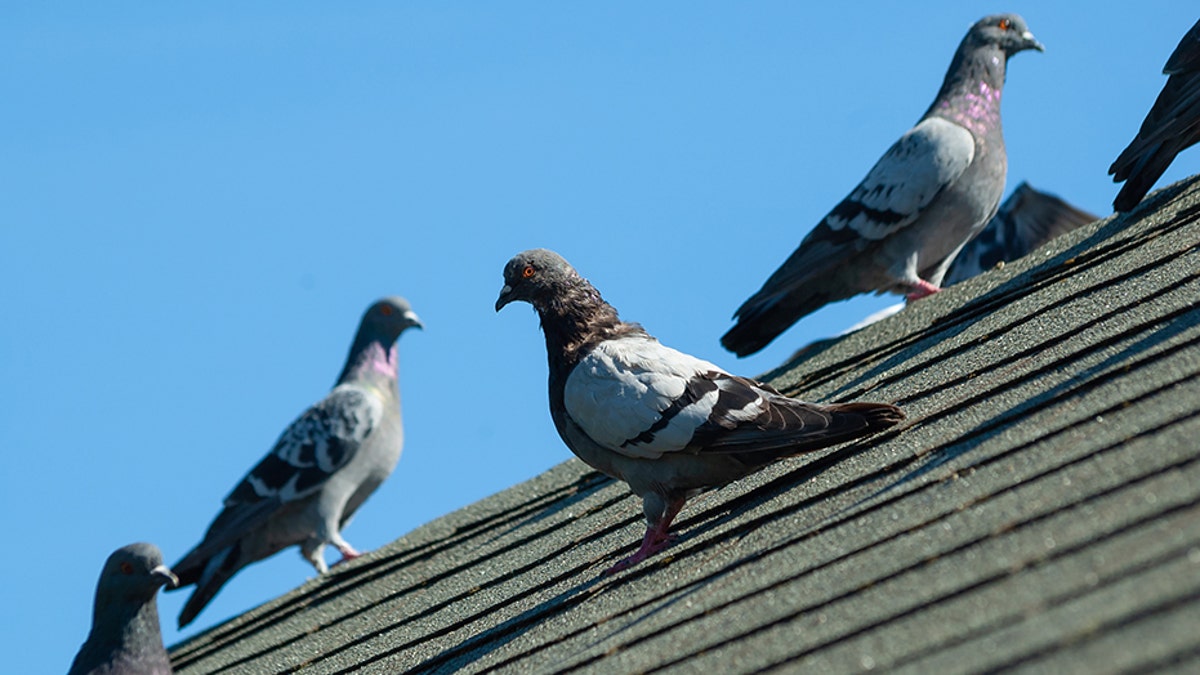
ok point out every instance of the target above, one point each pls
(1039, 509)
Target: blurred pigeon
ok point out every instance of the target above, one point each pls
(668, 424)
(1026, 220)
(125, 636)
(899, 230)
(1172, 125)
(321, 470)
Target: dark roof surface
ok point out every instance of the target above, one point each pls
(1040, 508)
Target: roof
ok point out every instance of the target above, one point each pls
(1040, 508)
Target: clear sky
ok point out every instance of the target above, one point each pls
(199, 201)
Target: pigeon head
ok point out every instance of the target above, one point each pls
(539, 277)
(389, 317)
(1006, 31)
(134, 572)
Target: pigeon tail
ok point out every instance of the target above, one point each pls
(208, 577)
(757, 326)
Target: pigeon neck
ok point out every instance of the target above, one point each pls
(128, 625)
(573, 320)
(370, 359)
(970, 94)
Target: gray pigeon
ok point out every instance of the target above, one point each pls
(899, 230)
(1172, 125)
(1025, 221)
(125, 638)
(320, 471)
(668, 424)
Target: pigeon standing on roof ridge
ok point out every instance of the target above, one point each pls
(125, 635)
(667, 423)
(322, 468)
(1172, 125)
(929, 194)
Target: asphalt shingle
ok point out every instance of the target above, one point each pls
(1040, 509)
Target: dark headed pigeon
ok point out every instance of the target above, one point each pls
(321, 470)
(899, 230)
(668, 424)
(125, 637)
(1172, 125)
(1025, 221)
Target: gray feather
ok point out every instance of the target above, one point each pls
(1026, 220)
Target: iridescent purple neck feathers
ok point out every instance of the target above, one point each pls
(374, 361)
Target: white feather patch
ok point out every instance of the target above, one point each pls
(620, 390)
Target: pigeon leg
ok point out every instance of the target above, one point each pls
(348, 552)
(313, 550)
(657, 535)
(922, 289)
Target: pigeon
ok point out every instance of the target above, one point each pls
(668, 424)
(1026, 220)
(125, 636)
(322, 468)
(1172, 125)
(929, 194)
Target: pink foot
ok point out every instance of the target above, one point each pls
(657, 538)
(348, 553)
(922, 289)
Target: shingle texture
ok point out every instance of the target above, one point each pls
(1039, 510)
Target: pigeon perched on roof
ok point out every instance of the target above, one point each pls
(320, 471)
(668, 424)
(125, 636)
(1025, 221)
(1172, 125)
(899, 230)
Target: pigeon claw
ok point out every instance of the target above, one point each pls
(656, 540)
(922, 289)
(348, 553)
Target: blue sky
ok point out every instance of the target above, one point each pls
(200, 201)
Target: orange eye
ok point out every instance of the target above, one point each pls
(126, 568)
(528, 271)
(386, 310)
(1004, 24)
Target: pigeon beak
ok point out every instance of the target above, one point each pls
(505, 297)
(166, 575)
(1031, 42)
(413, 320)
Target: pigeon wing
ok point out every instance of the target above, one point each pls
(898, 189)
(641, 399)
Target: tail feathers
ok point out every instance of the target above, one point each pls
(208, 578)
(1141, 177)
(759, 324)
(846, 422)
(876, 416)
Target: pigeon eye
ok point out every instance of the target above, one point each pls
(386, 310)
(528, 271)
(1004, 24)
(126, 568)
